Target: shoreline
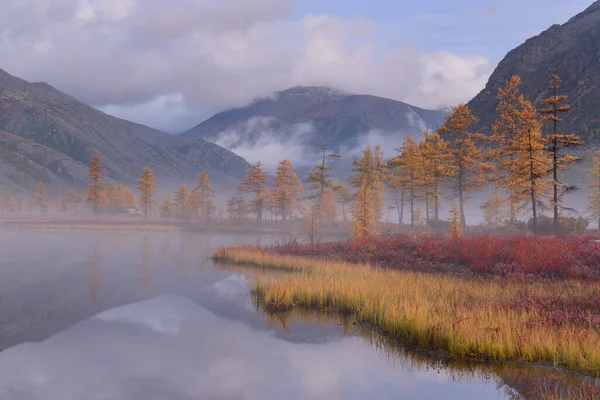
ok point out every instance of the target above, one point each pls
(138, 226)
(329, 286)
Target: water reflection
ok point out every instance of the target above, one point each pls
(169, 325)
(92, 270)
(171, 348)
(516, 382)
(146, 261)
(51, 280)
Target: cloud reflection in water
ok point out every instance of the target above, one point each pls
(171, 348)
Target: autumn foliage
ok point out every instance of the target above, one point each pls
(517, 257)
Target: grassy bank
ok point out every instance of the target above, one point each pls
(554, 323)
(521, 257)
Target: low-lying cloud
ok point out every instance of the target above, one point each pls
(270, 140)
(265, 139)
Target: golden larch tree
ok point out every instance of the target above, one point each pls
(593, 208)
(436, 168)
(58, 205)
(493, 210)
(504, 129)
(166, 208)
(180, 199)
(375, 170)
(319, 180)
(72, 199)
(146, 187)
(408, 172)
(113, 197)
(193, 204)
(312, 225)
(343, 198)
(286, 189)
(102, 201)
(271, 204)
(382, 174)
(41, 199)
(11, 203)
(398, 189)
(96, 186)
(466, 159)
(207, 196)
(363, 213)
(528, 171)
(455, 226)
(232, 208)
(555, 143)
(128, 199)
(255, 184)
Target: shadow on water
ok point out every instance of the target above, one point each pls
(130, 316)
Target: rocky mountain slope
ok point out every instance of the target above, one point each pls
(60, 134)
(314, 116)
(572, 51)
(24, 163)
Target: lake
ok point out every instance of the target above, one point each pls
(109, 315)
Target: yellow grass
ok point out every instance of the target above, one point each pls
(462, 317)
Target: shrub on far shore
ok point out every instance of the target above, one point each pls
(519, 256)
(566, 225)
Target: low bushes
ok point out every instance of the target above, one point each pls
(566, 225)
(520, 257)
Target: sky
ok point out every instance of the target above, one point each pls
(171, 64)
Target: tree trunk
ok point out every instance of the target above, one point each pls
(463, 221)
(412, 210)
(461, 210)
(555, 183)
(402, 206)
(555, 162)
(534, 210)
(436, 201)
(532, 180)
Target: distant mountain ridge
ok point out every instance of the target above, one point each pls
(571, 51)
(315, 115)
(61, 134)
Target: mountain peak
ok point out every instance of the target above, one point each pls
(593, 9)
(571, 51)
(311, 91)
(305, 116)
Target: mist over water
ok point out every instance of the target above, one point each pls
(128, 316)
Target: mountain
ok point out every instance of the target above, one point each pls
(59, 135)
(24, 163)
(315, 115)
(571, 51)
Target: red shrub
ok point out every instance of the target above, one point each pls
(573, 257)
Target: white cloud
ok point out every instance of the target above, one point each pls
(265, 139)
(129, 55)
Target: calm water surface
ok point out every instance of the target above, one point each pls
(147, 316)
